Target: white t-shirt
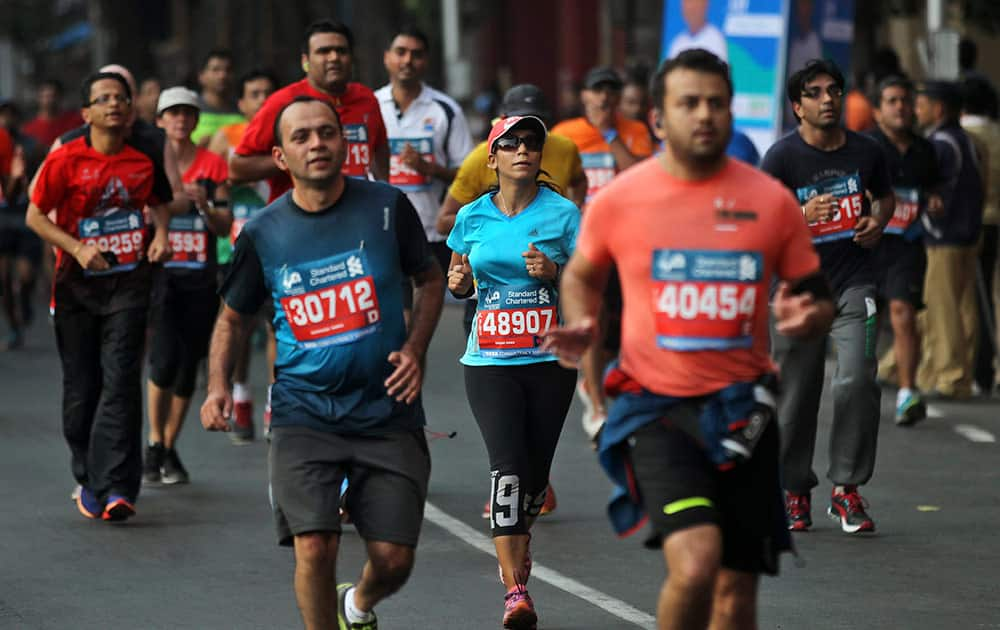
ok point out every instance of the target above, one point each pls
(435, 126)
(709, 38)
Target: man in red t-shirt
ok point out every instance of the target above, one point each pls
(691, 440)
(327, 57)
(51, 121)
(97, 186)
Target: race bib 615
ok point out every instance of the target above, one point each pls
(850, 203)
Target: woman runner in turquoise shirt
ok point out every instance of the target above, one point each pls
(510, 244)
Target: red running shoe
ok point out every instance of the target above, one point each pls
(519, 610)
(797, 507)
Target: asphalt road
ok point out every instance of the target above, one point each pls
(203, 556)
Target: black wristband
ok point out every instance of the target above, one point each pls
(466, 295)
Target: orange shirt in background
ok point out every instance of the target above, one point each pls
(858, 114)
(696, 259)
(598, 160)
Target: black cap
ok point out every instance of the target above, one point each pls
(598, 76)
(524, 100)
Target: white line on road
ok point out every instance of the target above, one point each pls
(473, 538)
(975, 434)
(934, 412)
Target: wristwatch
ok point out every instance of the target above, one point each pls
(610, 135)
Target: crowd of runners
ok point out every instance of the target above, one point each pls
(637, 257)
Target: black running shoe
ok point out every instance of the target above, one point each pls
(848, 507)
(173, 470)
(152, 461)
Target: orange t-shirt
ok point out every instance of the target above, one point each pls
(858, 115)
(696, 260)
(598, 160)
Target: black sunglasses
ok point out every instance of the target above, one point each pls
(532, 142)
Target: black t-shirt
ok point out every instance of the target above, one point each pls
(914, 174)
(148, 139)
(335, 278)
(847, 172)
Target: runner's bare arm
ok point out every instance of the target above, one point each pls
(251, 168)
(446, 215)
(406, 380)
(868, 230)
(171, 166)
(219, 144)
(580, 294)
(623, 157)
(230, 326)
(380, 162)
(88, 256)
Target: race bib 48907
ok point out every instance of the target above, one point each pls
(850, 203)
(330, 301)
(119, 235)
(512, 319)
(705, 299)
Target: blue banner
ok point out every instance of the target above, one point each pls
(751, 36)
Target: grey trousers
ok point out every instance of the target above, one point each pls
(856, 396)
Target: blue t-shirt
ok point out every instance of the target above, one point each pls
(514, 309)
(335, 278)
(742, 148)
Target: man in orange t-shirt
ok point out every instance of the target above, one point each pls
(608, 142)
(691, 440)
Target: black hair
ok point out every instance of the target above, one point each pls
(410, 30)
(301, 99)
(885, 63)
(809, 72)
(327, 26)
(55, 84)
(253, 75)
(888, 82)
(637, 74)
(697, 59)
(978, 97)
(100, 76)
(217, 53)
(968, 53)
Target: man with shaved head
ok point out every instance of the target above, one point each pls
(346, 397)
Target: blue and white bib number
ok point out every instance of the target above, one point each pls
(511, 320)
(120, 235)
(330, 301)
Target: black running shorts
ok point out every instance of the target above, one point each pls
(680, 487)
(388, 477)
(900, 267)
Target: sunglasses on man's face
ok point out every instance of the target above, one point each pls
(510, 143)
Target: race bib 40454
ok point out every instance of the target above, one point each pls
(907, 209)
(330, 301)
(120, 235)
(189, 240)
(358, 151)
(600, 170)
(512, 320)
(402, 175)
(850, 199)
(705, 299)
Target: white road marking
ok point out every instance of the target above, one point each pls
(974, 434)
(609, 604)
(934, 412)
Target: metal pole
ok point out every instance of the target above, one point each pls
(935, 15)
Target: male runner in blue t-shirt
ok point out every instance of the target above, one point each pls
(331, 255)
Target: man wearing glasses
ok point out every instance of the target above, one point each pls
(835, 173)
(97, 186)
